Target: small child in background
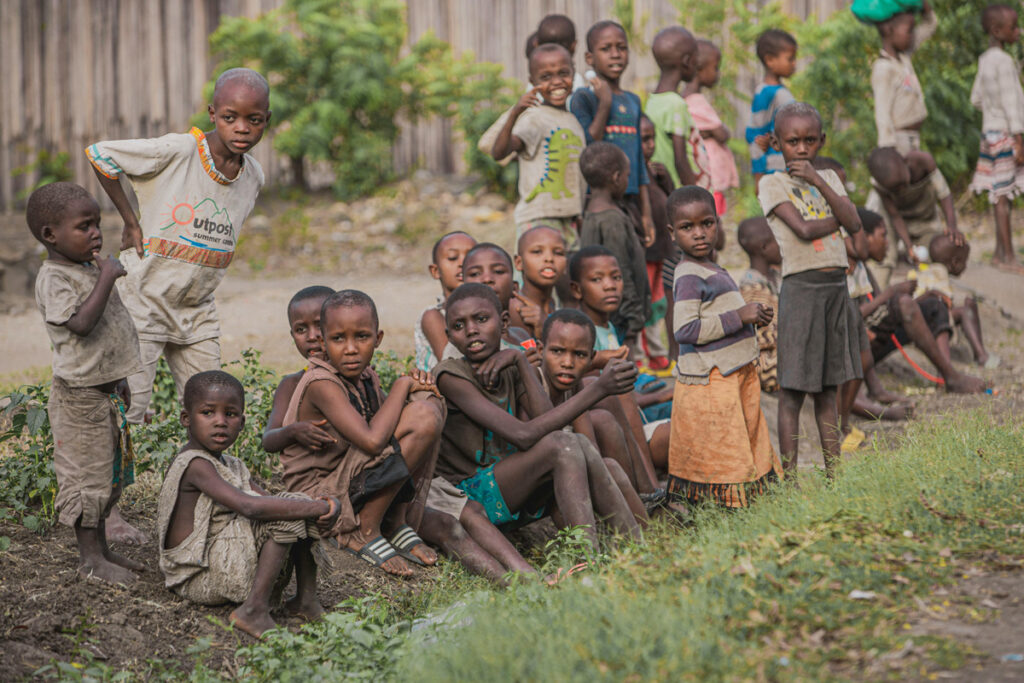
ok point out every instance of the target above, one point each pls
(95, 349)
(760, 285)
(609, 113)
(721, 164)
(541, 258)
(606, 169)
(998, 94)
(899, 100)
(429, 336)
(777, 51)
(559, 29)
(719, 449)
(660, 188)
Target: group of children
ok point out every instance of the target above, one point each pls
(525, 400)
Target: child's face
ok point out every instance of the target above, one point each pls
(799, 137)
(475, 328)
(647, 142)
(491, 268)
(216, 418)
(350, 338)
(304, 324)
(695, 229)
(541, 257)
(956, 264)
(600, 285)
(783, 64)
(240, 115)
(620, 179)
(771, 252)
(610, 56)
(877, 243)
(710, 70)
(551, 74)
(76, 235)
(450, 255)
(900, 31)
(567, 355)
(1006, 30)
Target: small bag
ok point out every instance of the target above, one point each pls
(875, 11)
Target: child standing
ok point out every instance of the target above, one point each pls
(541, 258)
(819, 345)
(777, 51)
(609, 113)
(429, 335)
(719, 448)
(660, 188)
(95, 348)
(998, 93)
(760, 284)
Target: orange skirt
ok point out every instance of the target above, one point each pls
(719, 447)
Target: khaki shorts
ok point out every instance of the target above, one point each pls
(446, 497)
(184, 361)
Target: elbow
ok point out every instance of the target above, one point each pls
(688, 333)
(251, 508)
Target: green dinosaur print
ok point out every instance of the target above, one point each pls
(561, 148)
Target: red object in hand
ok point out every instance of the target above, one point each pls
(528, 344)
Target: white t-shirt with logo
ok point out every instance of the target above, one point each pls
(191, 215)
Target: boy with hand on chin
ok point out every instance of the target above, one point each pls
(222, 537)
(541, 259)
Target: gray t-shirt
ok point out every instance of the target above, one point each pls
(550, 182)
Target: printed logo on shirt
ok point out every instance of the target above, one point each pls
(812, 206)
(200, 233)
(561, 150)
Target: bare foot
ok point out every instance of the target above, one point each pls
(310, 610)
(120, 531)
(885, 396)
(1010, 265)
(105, 570)
(959, 383)
(123, 561)
(425, 554)
(252, 622)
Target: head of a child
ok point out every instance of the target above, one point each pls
(240, 110)
(1000, 22)
(647, 140)
(607, 50)
(66, 220)
(757, 240)
(531, 45)
(304, 320)
(944, 250)
(351, 331)
(447, 257)
(214, 410)
(889, 170)
(557, 29)
(823, 163)
(675, 50)
(551, 73)
(476, 321)
(898, 31)
(490, 265)
(709, 63)
(596, 281)
(874, 232)
(568, 337)
(777, 51)
(605, 167)
(693, 221)
(540, 256)
(798, 132)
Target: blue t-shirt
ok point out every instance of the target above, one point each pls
(622, 129)
(768, 100)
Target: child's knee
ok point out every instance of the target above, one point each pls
(423, 417)
(907, 306)
(566, 449)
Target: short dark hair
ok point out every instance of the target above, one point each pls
(752, 233)
(46, 205)
(557, 28)
(535, 228)
(705, 48)
(884, 163)
(576, 262)
(599, 161)
(472, 290)
(485, 246)
(201, 382)
(870, 220)
(823, 163)
(665, 43)
(531, 44)
(440, 241)
(311, 292)
(992, 15)
(569, 316)
(688, 194)
(772, 42)
(600, 26)
(247, 77)
(349, 298)
(798, 110)
(548, 48)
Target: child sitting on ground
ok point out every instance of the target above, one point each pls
(719, 449)
(660, 188)
(222, 537)
(541, 258)
(502, 442)
(380, 445)
(606, 169)
(95, 348)
(818, 338)
(678, 145)
(429, 335)
(998, 94)
(777, 51)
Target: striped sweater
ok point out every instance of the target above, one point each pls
(707, 322)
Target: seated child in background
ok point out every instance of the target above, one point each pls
(95, 348)
(380, 445)
(429, 335)
(760, 285)
(721, 164)
(719, 448)
(222, 537)
(678, 144)
(502, 442)
(777, 51)
(660, 187)
(908, 193)
(540, 257)
(606, 169)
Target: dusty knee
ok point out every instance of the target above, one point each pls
(908, 307)
(423, 418)
(565, 446)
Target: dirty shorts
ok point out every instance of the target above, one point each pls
(482, 488)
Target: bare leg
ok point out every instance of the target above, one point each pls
(369, 528)
(967, 318)
(1004, 253)
(93, 560)
(917, 329)
(659, 446)
(489, 537)
(253, 615)
(305, 603)
(627, 415)
(790, 403)
(451, 537)
(872, 410)
(111, 556)
(120, 531)
(876, 391)
(828, 426)
(636, 506)
(609, 500)
(613, 443)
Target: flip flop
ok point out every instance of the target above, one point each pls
(404, 540)
(377, 551)
(853, 440)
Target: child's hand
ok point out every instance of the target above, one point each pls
(602, 90)
(804, 170)
(658, 169)
(488, 372)
(531, 98)
(124, 392)
(763, 141)
(308, 433)
(618, 377)
(131, 238)
(422, 381)
(751, 314)
(957, 237)
(326, 521)
(530, 313)
(764, 315)
(533, 354)
(649, 235)
(109, 267)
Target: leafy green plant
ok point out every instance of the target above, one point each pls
(390, 367)
(28, 484)
(51, 167)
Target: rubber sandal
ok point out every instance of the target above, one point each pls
(853, 440)
(404, 540)
(377, 551)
